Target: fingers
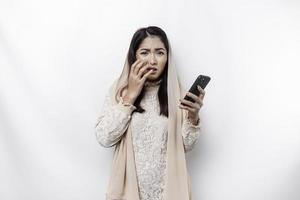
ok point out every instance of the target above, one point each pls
(191, 106)
(194, 97)
(187, 108)
(138, 66)
(146, 75)
(189, 103)
(202, 92)
(134, 65)
(142, 71)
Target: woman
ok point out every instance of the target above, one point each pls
(142, 117)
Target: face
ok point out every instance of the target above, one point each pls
(154, 52)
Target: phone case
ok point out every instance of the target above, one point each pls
(202, 81)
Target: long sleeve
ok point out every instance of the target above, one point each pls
(112, 122)
(190, 133)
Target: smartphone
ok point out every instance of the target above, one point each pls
(202, 81)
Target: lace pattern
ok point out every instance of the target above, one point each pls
(112, 122)
(149, 137)
(149, 132)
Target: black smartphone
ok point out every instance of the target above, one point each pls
(202, 81)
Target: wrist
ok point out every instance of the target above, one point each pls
(128, 99)
(194, 120)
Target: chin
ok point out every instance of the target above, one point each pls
(152, 78)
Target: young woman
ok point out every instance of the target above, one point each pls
(142, 117)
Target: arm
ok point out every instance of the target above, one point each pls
(190, 133)
(112, 122)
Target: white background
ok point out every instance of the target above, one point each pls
(58, 58)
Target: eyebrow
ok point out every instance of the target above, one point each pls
(155, 49)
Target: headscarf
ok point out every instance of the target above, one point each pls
(123, 183)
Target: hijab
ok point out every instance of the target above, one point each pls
(123, 183)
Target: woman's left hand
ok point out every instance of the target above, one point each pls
(193, 108)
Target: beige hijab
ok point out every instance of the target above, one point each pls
(123, 180)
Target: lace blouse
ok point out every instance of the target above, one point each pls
(149, 137)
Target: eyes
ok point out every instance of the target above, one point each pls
(159, 53)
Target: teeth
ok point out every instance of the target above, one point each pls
(152, 68)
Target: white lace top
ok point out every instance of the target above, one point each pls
(149, 137)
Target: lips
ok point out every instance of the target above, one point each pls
(149, 68)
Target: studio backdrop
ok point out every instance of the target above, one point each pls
(58, 59)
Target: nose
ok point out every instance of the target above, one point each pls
(153, 60)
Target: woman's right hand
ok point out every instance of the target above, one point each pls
(137, 76)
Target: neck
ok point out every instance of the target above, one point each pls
(152, 83)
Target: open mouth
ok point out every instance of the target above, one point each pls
(154, 69)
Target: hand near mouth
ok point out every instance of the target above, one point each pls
(154, 69)
(138, 74)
